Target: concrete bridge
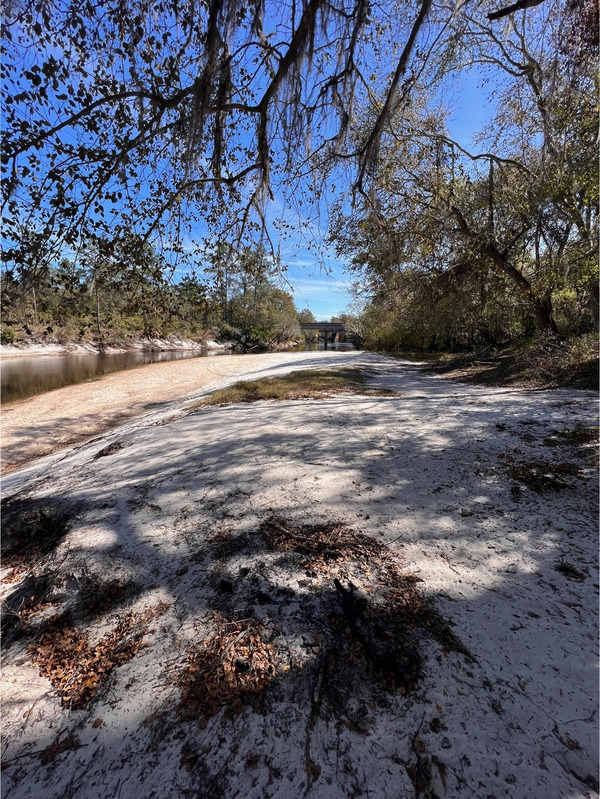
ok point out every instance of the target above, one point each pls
(330, 330)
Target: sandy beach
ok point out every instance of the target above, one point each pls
(42, 424)
(383, 593)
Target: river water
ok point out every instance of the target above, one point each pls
(24, 377)
(29, 375)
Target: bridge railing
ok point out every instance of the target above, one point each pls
(328, 327)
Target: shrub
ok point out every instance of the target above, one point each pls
(8, 335)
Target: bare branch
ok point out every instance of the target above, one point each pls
(518, 6)
(391, 101)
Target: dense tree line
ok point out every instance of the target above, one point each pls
(120, 289)
(456, 249)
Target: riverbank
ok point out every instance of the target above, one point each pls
(172, 343)
(383, 594)
(45, 423)
(546, 363)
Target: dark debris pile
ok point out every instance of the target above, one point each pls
(320, 544)
(31, 529)
(230, 667)
(380, 612)
(360, 616)
(540, 475)
(76, 669)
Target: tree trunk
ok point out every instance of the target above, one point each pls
(543, 315)
(542, 308)
(594, 296)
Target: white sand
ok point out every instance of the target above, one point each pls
(47, 422)
(423, 472)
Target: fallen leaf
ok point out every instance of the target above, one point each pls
(97, 723)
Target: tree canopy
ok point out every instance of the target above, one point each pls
(130, 123)
(520, 213)
(146, 116)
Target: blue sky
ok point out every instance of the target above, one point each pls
(323, 288)
(471, 105)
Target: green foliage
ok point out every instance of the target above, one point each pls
(118, 288)
(306, 315)
(8, 335)
(456, 250)
(254, 311)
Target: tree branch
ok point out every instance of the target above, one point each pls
(518, 6)
(370, 149)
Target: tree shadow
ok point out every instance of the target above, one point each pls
(182, 512)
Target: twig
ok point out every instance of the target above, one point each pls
(423, 778)
(314, 712)
(36, 752)
(316, 697)
(366, 784)
(463, 783)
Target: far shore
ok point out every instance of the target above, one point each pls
(169, 344)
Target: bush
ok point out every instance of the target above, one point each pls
(228, 332)
(552, 360)
(8, 335)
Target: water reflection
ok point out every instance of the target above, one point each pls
(27, 376)
(314, 346)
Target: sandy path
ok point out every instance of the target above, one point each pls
(40, 425)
